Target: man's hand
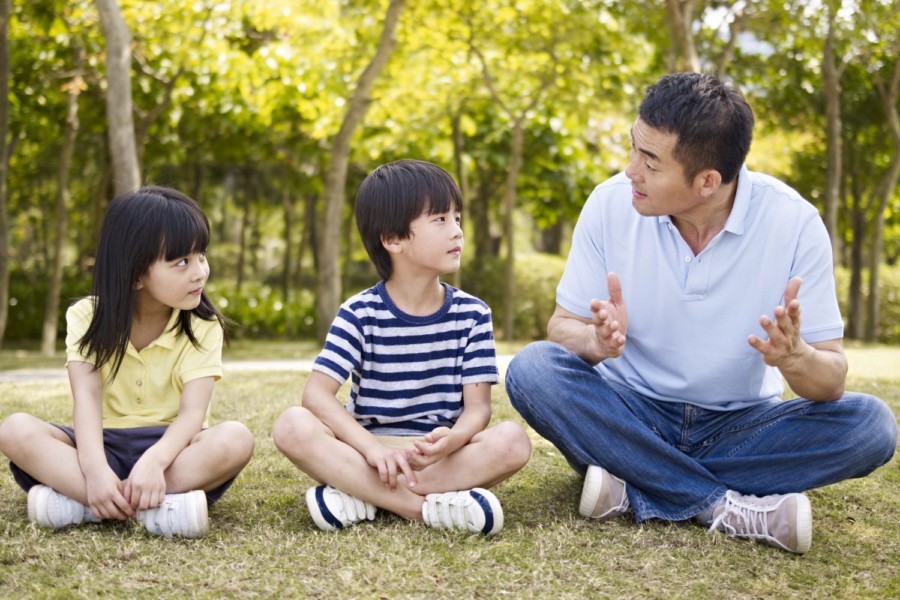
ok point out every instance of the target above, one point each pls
(784, 345)
(609, 322)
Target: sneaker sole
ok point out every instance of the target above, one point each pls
(493, 512)
(804, 525)
(34, 501)
(315, 510)
(590, 492)
(199, 519)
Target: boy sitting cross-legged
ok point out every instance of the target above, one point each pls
(413, 438)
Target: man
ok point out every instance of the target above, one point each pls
(661, 382)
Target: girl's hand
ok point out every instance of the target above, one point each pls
(436, 446)
(390, 462)
(105, 496)
(146, 485)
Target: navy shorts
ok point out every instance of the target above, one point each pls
(123, 448)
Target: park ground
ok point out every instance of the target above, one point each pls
(263, 543)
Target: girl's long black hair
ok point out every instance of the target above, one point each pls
(140, 228)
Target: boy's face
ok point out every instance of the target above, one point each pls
(435, 243)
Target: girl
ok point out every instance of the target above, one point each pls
(142, 355)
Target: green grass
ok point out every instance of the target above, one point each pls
(262, 542)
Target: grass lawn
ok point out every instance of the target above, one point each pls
(263, 543)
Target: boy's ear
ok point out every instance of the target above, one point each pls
(391, 244)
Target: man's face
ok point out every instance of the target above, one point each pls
(657, 179)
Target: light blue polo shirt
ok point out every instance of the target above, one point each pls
(689, 315)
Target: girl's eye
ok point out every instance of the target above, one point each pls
(649, 168)
(181, 262)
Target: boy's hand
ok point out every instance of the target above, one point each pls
(390, 462)
(436, 446)
(146, 485)
(105, 496)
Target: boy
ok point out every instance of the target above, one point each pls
(412, 439)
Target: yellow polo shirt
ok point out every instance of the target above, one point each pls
(147, 388)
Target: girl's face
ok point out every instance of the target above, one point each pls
(175, 283)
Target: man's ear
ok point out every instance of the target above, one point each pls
(708, 182)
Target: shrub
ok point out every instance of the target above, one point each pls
(536, 278)
(259, 311)
(888, 299)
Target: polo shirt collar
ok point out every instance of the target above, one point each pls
(167, 337)
(737, 217)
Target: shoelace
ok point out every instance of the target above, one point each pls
(738, 518)
(624, 504)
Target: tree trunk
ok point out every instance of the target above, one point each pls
(287, 201)
(479, 210)
(244, 233)
(459, 165)
(681, 17)
(122, 146)
(854, 293)
(51, 312)
(834, 153)
(5, 10)
(307, 237)
(884, 191)
(328, 282)
(509, 208)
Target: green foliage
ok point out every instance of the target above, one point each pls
(888, 299)
(259, 311)
(536, 278)
(27, 298)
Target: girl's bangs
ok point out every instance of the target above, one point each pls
(185, 233)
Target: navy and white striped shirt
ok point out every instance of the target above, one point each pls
(408, 371)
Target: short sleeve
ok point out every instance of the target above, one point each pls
(205, 360)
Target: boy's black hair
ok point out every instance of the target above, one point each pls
(710, 116)
(395, 194)
(153, 223)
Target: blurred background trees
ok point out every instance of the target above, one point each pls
(271, 113)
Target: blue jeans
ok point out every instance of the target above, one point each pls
(678, 459)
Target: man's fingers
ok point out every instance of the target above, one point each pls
(615, 289)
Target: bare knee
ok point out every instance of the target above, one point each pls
(293, 429)
(235, 443)
(15, 430)
(511, 446)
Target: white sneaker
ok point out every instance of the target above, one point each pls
(603, 496)
(332, 509)
(476, 510)
(48, 508)
(183, 515)
(780, 520)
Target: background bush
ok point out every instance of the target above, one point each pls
(260, 312)
(536, 278)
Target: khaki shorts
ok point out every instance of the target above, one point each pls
(398, 441)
